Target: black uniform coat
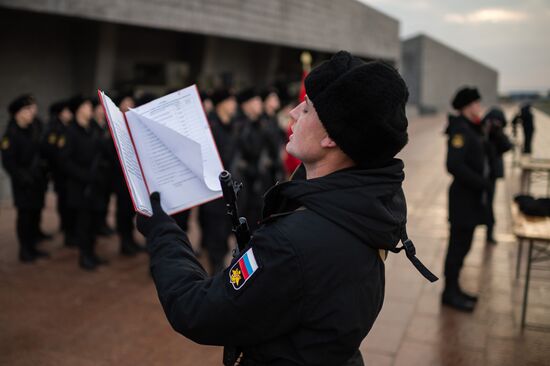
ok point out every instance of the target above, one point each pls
(468, 164)
(81, 153)
(22, 160)
(320, 282)
(50, 150)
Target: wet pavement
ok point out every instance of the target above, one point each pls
(53, 313)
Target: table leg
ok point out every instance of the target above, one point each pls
(526, 290)
(518, 259)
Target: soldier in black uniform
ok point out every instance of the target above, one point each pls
(468, 164)
(60, 118)
(124, 208)
(310, 284)
(99, 122)
(497, 144)
(81, 152)
(23, 162)
(272, 169)
(215, 227)
(253, 151)
(526, 117)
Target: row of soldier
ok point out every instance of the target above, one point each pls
(75, 152)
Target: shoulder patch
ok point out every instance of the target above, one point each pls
(61, 142)
(243, 269)
(457, 141)
(5, 143)
(52, 138)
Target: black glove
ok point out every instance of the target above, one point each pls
(146, 224)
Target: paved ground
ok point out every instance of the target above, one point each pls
(52, 313)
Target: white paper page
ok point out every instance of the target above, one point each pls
(182, 112)
(180, 185)
(127, 155)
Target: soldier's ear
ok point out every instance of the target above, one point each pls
(328, 142)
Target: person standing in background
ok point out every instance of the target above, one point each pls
(468, 164)
(60, 118)
(23, 162)
(213, 221)
(498, 143)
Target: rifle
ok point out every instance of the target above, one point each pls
(230, 190)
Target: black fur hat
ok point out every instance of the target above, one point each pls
(362, 107)
(58, 107)
(219, 95)
(465, 96)
(19, 103)
(247, 94)
(76, 101)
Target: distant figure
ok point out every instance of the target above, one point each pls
(253, 150)
(528, 124)
(215, 227)
(525, 118)
(22, 161)
(468, 164)
(498, 143)
(60, 118)
(81, 152)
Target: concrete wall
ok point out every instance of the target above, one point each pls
(324, 25)
(435, 71)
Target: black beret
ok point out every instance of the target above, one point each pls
(76, 101)
(362, 107)
(19, 103)
(495, 113)
(57, 107)
(122, 96)
(268, 91)
(247, 94)
(219, 95)
(465, 96)
(145, 98)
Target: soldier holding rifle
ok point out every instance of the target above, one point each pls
(309, 284)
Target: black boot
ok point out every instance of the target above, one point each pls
(99, 261)
(127, 248)
(468, 296)
(452, 297)
(87, 262)
(41, 253)
(26, 255)
(41, 236)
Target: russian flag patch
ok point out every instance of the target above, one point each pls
(243, 269)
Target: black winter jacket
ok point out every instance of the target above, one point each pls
(467, 162)
(316, 282)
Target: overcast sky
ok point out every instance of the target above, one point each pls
(510, 36)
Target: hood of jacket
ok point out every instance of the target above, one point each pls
(369, 203)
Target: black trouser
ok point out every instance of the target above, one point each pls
(215, 229)
(86, 230)
(460, 242)
(124, 215)
(182, 219)
(527, 139)
(490, 211)
(27, 229)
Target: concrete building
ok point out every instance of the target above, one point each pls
(434, 71)
(58, 48)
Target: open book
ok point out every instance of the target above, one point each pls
(166, 145)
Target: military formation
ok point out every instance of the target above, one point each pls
(73, 155)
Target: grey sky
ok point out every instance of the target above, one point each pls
(510, 36)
